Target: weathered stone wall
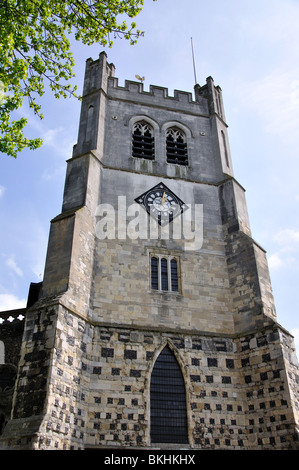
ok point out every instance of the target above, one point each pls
(51, 372)
(66, 421)
(97, 382)
(235, 388)
(99, 389)
(11, 333)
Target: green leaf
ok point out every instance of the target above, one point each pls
(35, 49)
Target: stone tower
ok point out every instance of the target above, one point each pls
(155, 325)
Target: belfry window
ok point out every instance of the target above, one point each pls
(143, 142)
(176, 146)
(168, 401)
(164, 273)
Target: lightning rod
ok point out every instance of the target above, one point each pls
(194, 68)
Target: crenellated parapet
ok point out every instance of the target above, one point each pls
(12, 317)
(100, 76)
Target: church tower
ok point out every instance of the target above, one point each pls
(155, 325)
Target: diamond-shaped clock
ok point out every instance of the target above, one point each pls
(161, 203)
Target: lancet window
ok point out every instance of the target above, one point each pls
(225, 149)
(168, 401)
(143, 141)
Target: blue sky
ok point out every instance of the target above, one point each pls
(251, 49)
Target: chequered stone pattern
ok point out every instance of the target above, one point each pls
(235, 388)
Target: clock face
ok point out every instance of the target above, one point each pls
(161, 203)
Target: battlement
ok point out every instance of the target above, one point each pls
(154, 90)
(12, 316)
(203, 103)
(100, 75)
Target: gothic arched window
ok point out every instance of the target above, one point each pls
(143, 142)
(90, 115)
(168, 401)
(176, 146)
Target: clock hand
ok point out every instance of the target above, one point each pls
(163, 199)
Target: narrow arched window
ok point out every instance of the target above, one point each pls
(89, 123)
(176, 146)
(168, 401)
(154, 273)
(143, 142)
(225, 148)
(174, 275)
(164, 274)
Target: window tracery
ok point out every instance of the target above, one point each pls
(176, 146)
(143, 141)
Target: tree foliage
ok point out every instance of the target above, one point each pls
(35, 48)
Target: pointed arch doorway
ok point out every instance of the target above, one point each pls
(168, 401)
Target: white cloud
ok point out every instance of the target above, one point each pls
(59, 140)
(287, 237)
(36, 248)
(287, 253)
(50, 135)
(274, 98)
(56, 138)
(275, 261)
(55, 173)
(10, 262)
(38, 264)
(286, 256)
(11, 302)
(279, 260)
(2, 190)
